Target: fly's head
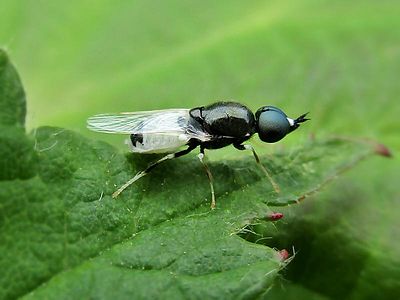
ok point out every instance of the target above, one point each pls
(273, 124)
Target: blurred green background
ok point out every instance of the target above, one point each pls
(339, 60)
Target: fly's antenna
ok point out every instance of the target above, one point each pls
(301, 119)
(296, 122)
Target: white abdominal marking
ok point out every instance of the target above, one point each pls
(153, 143)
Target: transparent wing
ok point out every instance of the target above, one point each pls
(168, 122)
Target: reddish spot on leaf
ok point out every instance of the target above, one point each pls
(283, 254)
(382, 150)
(275, 216)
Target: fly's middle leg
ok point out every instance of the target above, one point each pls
(249, 147)
(209, 175)
(151, 167)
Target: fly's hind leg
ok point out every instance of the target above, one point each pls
(249, 147)
(151, 167)
(209, 175)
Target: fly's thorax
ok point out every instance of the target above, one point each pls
(226, 119)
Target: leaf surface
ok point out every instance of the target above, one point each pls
(63, 236)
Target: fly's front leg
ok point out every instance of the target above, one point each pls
(151, 167)
(209, 175)
(249, 147)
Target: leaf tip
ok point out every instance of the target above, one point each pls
(3, 54)
(382, 150)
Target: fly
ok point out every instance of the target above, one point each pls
(208, 127)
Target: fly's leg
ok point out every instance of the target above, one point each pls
(141, 174)
(151, 167)
(209, 175)
(249, 147)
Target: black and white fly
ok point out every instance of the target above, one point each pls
(209, 127)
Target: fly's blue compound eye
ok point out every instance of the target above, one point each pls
(272, 124)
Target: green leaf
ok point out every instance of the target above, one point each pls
(16, 155)
(12, 104)
(296, 56)
(348, 226)
(63, 236)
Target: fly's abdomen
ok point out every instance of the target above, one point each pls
(156, 143)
